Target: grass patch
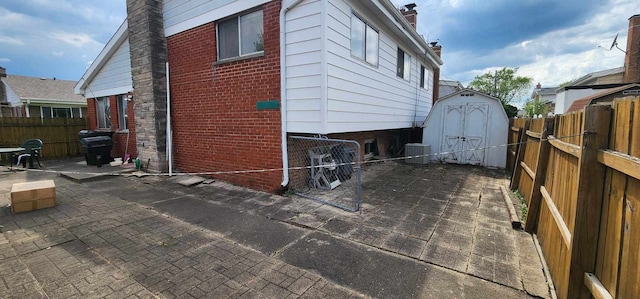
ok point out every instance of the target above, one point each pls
(523, 208)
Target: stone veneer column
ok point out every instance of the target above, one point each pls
(148, 56)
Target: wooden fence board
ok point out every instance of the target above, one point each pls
(59, 135)
(595, 287)
(589, 199)
(589, 218)
(629, 284)
(541, 170)
(608, 259)
(566, 147)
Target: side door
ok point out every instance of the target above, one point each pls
(452, 132)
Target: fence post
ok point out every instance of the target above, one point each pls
(520, 150)
(591, 174)
(541, 171)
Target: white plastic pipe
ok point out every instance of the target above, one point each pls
(169, 141)
(283, 93)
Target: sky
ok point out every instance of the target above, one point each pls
(550, 41)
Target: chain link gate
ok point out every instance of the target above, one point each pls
(326, 170)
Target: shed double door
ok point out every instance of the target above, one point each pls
(464, 133)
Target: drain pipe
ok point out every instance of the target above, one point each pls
(283, 93)
(169, 141)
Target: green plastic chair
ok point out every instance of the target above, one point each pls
(32, 148)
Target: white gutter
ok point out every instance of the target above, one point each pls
(283, 93)
(169, 141)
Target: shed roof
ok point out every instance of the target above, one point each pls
(464, 90)
(43, 89)
(583, 102)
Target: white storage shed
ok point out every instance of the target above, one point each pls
(467, 127)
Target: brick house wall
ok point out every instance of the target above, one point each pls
(216, 124)
(120, 136)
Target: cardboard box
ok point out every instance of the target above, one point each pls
(33, 196)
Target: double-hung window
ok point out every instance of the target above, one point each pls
(122, 112)
(404, 65)
(240, 35)
(364, 41)
(102, 113)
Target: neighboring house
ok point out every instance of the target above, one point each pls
(447, 87)
(605, 97)
(245, 75)
(596, 82)
(23, 96)
(546, 95)
(569, 94)
(108, 89)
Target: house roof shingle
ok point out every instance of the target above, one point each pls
(45, 89)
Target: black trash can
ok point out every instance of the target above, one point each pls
(345, 155)
(97, 150)
(88, 133)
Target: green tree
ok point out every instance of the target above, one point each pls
(512, 111)
(534, 107)
(502, 84)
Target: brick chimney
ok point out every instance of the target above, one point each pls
(632, 58)
(148, 57)
(436, 73)
(409, 12)
(3, 92)
(539, 86)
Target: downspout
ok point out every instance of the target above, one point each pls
(169, 142)
(283, 93)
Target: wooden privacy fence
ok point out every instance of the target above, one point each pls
(582, 187)
(516, 128)
(59, 135)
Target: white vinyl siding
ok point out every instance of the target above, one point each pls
(361, 97)
(303, 67)
(180, 15)
(115, 75)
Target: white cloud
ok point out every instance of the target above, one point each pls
(557, 56)
(75, 39)
(10, 40)
(57, 54)
(4, 59)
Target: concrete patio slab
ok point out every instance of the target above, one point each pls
(426, 231)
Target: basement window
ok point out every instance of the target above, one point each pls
(240, 35)
(404, 65)
(364, 41)
(369, 148)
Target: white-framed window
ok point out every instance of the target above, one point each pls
(56, 112)
(404, 65)
(240, 35)
(123, 118)
(103, 116)
(364, 41)
(424, 77)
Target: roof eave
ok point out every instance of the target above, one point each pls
(411, 33)
(111, 47)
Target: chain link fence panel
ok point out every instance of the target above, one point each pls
(326, 170)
